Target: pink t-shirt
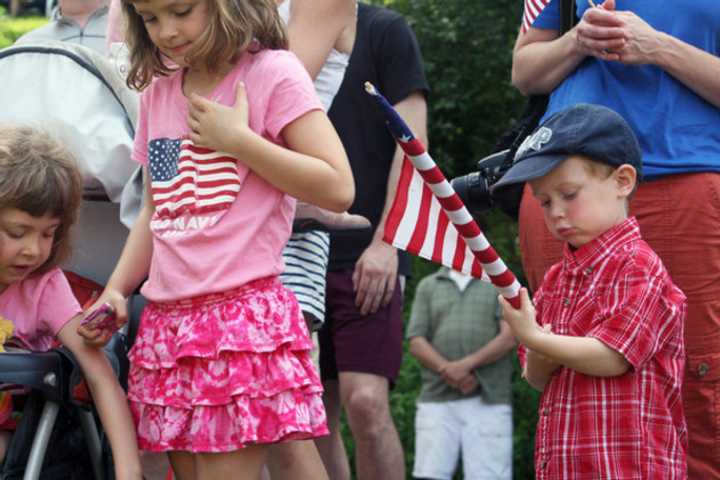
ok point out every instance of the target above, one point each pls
(39, 307)
(217, 225)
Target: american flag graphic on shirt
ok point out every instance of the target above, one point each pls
(187, 179)
(532, 11)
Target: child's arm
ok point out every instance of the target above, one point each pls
(489, 353)
(431, 359)
(131, 269)
(538, 369)
(584, 354)
(109, 399)
(314, 168)
(420, 348)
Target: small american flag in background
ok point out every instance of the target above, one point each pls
(190, 179)
(428, 218)
(532, 11)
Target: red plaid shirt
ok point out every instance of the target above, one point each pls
(632, 426)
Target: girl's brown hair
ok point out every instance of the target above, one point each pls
(233, 27)
(39, 176)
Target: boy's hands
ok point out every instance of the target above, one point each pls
(459, 375)
(216, 126)
(99, 337)
(522, 321)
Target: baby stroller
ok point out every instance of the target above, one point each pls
(80, 97)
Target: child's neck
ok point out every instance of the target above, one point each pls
(201, 81)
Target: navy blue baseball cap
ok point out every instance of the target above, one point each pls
(593, 131)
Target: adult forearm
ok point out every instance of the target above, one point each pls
(696, 69)
(586, 355)
(540, 66)
(315, 26)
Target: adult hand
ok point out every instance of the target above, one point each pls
(98, 337)
(218, 126)
(642, 42)
(599, 32)
(375, 276)
(522, 320)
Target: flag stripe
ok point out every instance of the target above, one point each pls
(400, 203)
(532, 10)
(418, 236)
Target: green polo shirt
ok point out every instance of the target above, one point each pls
(458, 323)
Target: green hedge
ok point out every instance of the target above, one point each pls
(12, 28)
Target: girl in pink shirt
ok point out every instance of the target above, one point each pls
(230, 132)
(39, 199)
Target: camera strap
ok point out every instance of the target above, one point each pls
(529, 118)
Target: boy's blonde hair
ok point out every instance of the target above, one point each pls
(39, 176)
(233, 27)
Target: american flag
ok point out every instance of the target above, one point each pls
(429, 220)
(190, 179)
(532, 11)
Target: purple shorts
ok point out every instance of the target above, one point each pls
(351, 342)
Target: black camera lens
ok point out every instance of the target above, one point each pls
(474, 191)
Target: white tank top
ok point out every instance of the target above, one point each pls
(328, 81)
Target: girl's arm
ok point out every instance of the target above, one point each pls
(584, 354)
(109, 399)
(131, 269)
(312, 44)
(312, 170)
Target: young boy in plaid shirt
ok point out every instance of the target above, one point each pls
(604, 341)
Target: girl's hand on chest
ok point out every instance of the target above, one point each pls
(217, 126)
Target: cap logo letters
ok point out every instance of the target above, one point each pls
(534, 141)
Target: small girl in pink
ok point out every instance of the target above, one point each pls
(40, 190)
(230, 133)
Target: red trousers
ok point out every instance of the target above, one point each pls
(679, 217)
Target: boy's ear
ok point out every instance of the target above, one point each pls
(626, 178)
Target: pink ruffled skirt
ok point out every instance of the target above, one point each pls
(221, 371)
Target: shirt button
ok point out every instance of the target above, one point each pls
(566, 301)
(543, 464)
(546, 411)
(588, 271)
(702, 369)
